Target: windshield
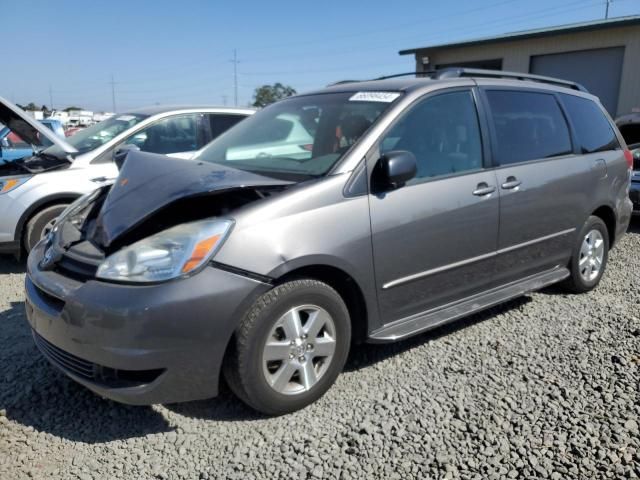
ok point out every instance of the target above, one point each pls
(98, 134)
(300, 137)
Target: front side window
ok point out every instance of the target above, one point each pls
(443, 134)
(593, 130)
(169, 135)
(528, 126)
(97, 135)
(300, 137)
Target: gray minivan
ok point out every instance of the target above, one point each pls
(419, 201)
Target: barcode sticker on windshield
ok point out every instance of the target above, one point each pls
(386, 97)
(126, 118)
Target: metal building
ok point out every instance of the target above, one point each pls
(604, 56)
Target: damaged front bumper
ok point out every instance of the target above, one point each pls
(145, 344)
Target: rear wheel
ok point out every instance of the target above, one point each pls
(290, 347)
(590, 255)
(40, 225)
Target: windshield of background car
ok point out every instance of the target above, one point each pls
(300, 137)
(97, 135)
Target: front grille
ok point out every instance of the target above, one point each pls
(53, 302)
(75, 269)
(65, 360)
(101, 375)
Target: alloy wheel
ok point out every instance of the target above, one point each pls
(299, 349)
(591, 255)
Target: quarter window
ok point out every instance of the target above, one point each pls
(593, 130)
(443, 134)
(528, 126)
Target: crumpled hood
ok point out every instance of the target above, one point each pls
(148, 182)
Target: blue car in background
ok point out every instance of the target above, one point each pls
(13, 147)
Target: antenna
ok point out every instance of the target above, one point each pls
(50, 99)
(606, 13)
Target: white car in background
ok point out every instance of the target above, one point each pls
(35, 190)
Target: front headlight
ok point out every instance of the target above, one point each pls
(169, 254)
(8, 184)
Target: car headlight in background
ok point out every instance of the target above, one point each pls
(172, 253)
(8, 184)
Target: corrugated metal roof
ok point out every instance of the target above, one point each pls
(540, 32)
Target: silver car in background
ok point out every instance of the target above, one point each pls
(35, 190)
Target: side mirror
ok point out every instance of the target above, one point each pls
(395, 168)
(4, 143)
(120, 153)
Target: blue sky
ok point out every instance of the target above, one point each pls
(179, 51)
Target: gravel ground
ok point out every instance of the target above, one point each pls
(544, 387)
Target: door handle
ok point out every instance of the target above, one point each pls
(483, 189)
(511, 183)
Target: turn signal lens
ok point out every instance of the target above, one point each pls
(200, 253)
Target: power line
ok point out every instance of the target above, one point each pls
(235, 76)
(113, 93)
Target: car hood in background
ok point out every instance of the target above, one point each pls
(28, 128)
(148, 182)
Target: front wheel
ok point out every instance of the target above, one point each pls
(290, 347)
(40, 225)
(590, 255)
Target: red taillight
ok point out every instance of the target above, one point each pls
(629, 156)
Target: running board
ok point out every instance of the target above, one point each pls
(421, 322)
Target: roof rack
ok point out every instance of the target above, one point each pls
(455, 72)
(458, 72)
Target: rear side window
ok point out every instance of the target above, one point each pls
(593, 130)
(528, 126)
(221, 123)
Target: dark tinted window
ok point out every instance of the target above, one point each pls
(528, 125)
(443, 134)
(593, 130)
(222, 123)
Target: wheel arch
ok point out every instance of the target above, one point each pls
(608, 216)
(346, 286)
(41, 204)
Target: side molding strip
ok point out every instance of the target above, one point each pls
(426, 273)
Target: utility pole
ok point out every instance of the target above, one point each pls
(235, 76)
(606, 14)
(113, 93)
(224, 100)
(50, 99)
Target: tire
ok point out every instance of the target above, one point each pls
(38, 224)
(583, 278)
(303, 370)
